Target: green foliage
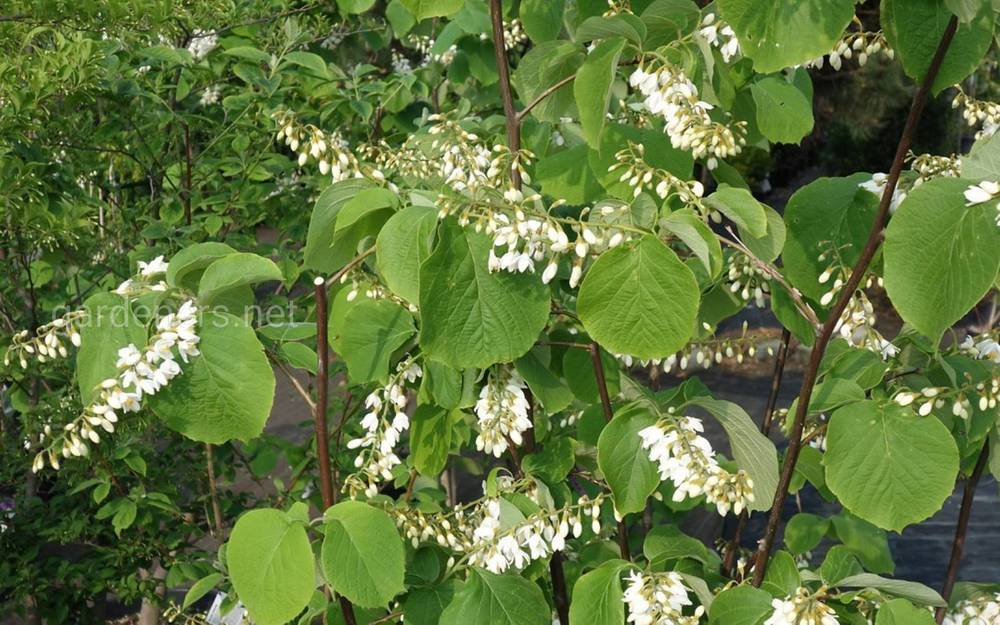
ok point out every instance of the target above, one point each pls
(362, 554)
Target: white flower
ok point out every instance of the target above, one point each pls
(153, 267)
(202, 43)
(502, 412)
(803, 608)
(210, 95)
(983, 192)
(658, 599)
(981, 610)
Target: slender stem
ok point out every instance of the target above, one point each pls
(961, 528)
(867, 253)
(322, 433)
(213, 492)
(506, 92)
(765, 427)
(559, 592)
(189, 154)
(541, 96)
(602, 389)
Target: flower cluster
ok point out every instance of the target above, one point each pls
(981, 610)
(747, 281)
(141, 373)
(384, 424)
(984, 347)
(202, 43)
(668, 92)
(48, 342)
(632, 169)
(424, 45)
(716, 351)
(983, 192)
(978, 112)
(986, 393)
(687, 459)
(329, 150)
(863, 44)
(721, 35)
(802, 608)
(659, 599)
(149, 278)
(502, 412)
(928, 166)
(210, 95)
(877, 186)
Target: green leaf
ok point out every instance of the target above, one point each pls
(804, 532)
(769, 246)
(300, 356)
(666, 542)
(362, 555)
(888, 465)
(423, 606)
(782, 33)
(542, 19)
(659, 153)
(825, 215)
(187, 265)
(784, 114)
(597, 596)
(900, 588)
(553, 463)
(364, 203)
(430, 438)
(422, 9)
(578, 371)
(471, 317)
(627, 468)
(782, 577)
(983, 161)
(249, 53)
(200, 588)
(124, 516)
(753, 452)
(399, 18)
(232, 272)
(490, 599)
(902, 612)
(622, 25)
(966, 10)
(566, 175)
(271, 565)
(913, 29)
(354, 6)
(318, 253)
(543, 67)
(373, 330)
(742, 605)
(592, 88)
(699, 238)
(403, 243)
(840, 563)
(740, 206)
(110, 325)
(941, 256)
(224, 393)
(639, 299)
(866, 541)
(546, 386)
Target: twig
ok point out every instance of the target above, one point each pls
(602, 389)
(506, 93)
(860, 268)
(961, 528)
(303, 393)
(213, 493)
(542, 96)
(765, 427)
(322, 443)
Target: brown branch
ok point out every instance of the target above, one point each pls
(303, 393)
(860, 268)
(602, 389)
(322, 401)
(765, 427)
(961, 528)
(506, 92)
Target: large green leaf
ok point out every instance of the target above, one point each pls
(271, 565)
(373, 330)
(667, 542)
(319, 253)
(887, 465)
(566, 175)
(232, 272)
(695, 233)
(110, 325)
(592, 87)
(627, 468)
(423, 606)
(541, 68)
(597, 596)
(489, 599)
(542, 19)
(901, 588)
(432, 8)
(784, 114)
(941, 256)
(226, 392)
(430, 437)
(639, 299)
(362, 555)
(741, 605)
(753, 452)
(741, 207)
(913, 29)
(902, 612)
(186, 266)
(982, 162)
(471, 317)
(403, 243)
(547, 387)
(825, 215)
(782, 33)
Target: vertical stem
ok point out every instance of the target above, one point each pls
(867, 253)
(602, 389)
(189, 157)
(213, 493)
(506, 93)
(319, 418)
(961, 528)
(765, 427)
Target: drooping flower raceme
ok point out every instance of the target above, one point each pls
(202, 43)
(48, 342)
(802, 608)
(721, 35)
(668, 92)
(502, 412)
(659, 599)
(687, 460)
(981, 610)
(983, 192)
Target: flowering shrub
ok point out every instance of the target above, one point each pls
(521, 211)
